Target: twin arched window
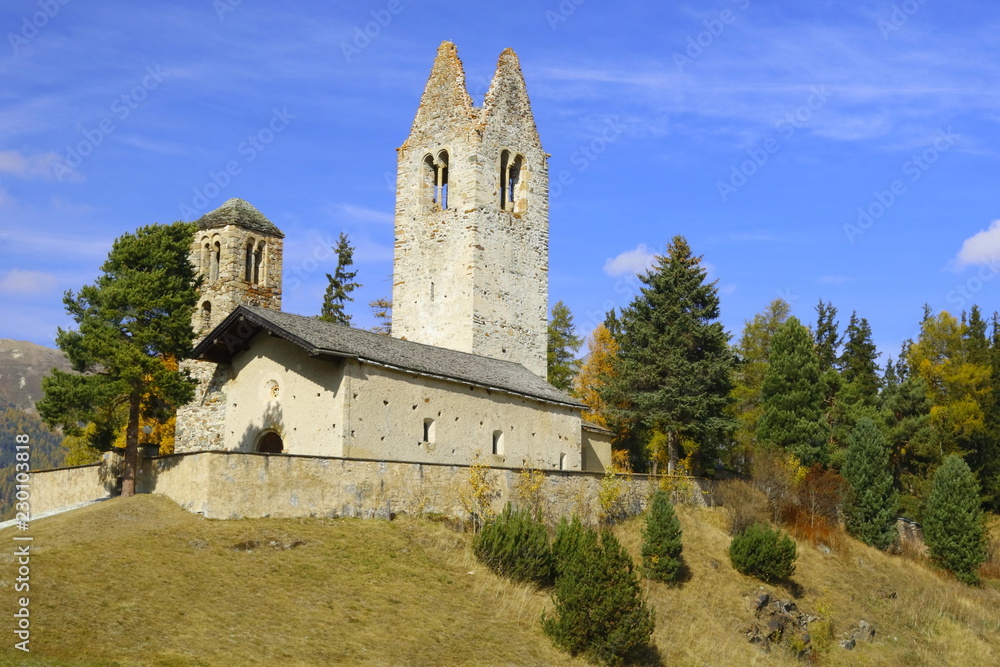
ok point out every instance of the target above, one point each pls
(253, 262)
(211, 256)
(512, 196)
(434, 182)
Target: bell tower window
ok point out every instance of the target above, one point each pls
(434, 182)
(258, 264)
(511, 185)
(216, 259)
(248, 263)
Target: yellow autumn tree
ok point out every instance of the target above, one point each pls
(161, 429)
(602, 349)
(958, 387)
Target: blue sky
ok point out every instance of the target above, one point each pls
(822, 149)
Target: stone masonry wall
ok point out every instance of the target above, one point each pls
(201, 423)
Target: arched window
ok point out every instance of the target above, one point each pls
(498, 443)
(270, 443)
(216, 259)
(248, 262)
(511, 182)
(204, 265)
(258, 264)
(434, 182)
(206, 315)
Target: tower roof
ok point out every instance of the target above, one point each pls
(446, 100)
(240, 213)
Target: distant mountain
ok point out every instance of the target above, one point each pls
(22, 367)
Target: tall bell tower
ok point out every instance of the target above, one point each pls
(470, 269)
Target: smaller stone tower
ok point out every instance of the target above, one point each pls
(237, 252)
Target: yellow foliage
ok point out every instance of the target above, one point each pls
(161, 432)
(479, 492)
(602, 349)
(529, 489)
(613, 493)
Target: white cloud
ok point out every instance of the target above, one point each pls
(630, 262)
(27, 282)
(28, 166)
(981, 247)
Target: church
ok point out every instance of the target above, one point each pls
(461, 378)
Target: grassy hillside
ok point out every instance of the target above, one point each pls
(142, 582)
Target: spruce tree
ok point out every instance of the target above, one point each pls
(906, 412)
(827, 337)
(562, 348)
(661, 545)
(791, 396)
(858, 364)
(953, 523)
(672, 372)
(599, 609)
(136, 315)
(870, 510)
(340, 285)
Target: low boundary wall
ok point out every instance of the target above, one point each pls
(231, 485)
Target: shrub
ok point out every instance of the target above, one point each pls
(763, 552)
(600, 612)
(661, 546)
(569, 536)
(743, 503)
(953, 520)
(870, 511)
(516, 546)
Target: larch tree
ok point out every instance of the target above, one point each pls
(594, 373)
(673, 370)
(791, 396)
(382, 312)
(134, 316)
(563, 345)
(340, 285)
(753, 353)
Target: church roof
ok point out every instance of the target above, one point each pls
(319, 338)
(240, 213)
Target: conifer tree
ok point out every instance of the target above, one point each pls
(858, 363)
(137, 313)
(661, 545)
(672, 372)
(599, 609)
(382, 312)
(594, 374)
(340, 285)
(562, 348)
(953, 521)
(753, 353)
(870, 510)
(906, 411)
(827, 336)
(791, 396)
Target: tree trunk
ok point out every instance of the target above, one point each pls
(131, 447)
(671, 452)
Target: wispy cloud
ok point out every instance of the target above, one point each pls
(358, 214)
(28, 166)
(20, 282)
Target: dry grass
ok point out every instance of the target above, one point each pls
(142, 582)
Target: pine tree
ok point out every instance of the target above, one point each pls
(594, 374)
(985, 458)
(382, 312)
(870, 510)
(599, 608)
(906, 411)
(827, 338)
(672, 372)
(136, 314)
(858, 362)
(753, 353)
(791, 396)
(340, 285)
(562, 348)
(953, 521)
(661, 545)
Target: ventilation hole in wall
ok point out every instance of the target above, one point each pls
(480, 423)
(456, 418)
(352, 434)
(317, 394)
(382, 438)
(385, 402)
(453, 451)
(503, 350)
(414, 406)
(439, 413)
(532, 435)
(427, 400)
(355, 396)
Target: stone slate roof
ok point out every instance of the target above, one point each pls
(240, 213)
(320, 338)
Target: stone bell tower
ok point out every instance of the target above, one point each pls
(471, 255)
